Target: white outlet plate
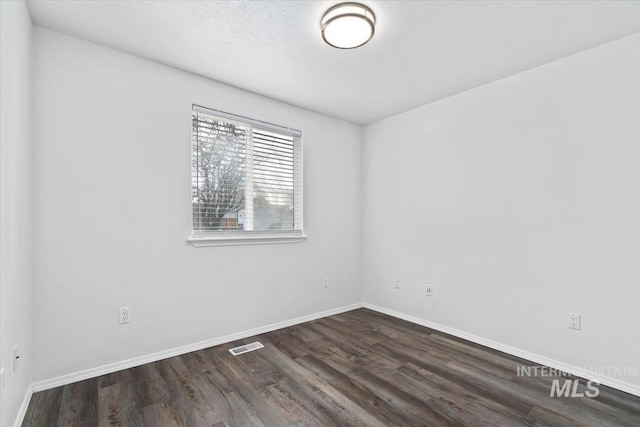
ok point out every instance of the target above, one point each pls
(325, 282)
(2, 379)
(573, 321)
(123, 315)
(397, 283)
(429, 290)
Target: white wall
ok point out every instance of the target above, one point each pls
(520, 202)
(16, 284)
(112, 179)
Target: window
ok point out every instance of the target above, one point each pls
(246, 180)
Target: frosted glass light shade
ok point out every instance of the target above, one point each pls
(348, 25)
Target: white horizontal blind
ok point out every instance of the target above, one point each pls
(246, 175)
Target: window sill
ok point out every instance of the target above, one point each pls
(270, 239)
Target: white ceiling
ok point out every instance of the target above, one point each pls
(421, 52)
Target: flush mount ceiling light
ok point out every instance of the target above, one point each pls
(348, 25)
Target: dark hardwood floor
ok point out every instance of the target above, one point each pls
(358, 368)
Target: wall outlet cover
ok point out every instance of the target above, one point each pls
(123, 315)
(429, 290)
(573, 321)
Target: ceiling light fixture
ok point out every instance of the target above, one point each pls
(348, 25)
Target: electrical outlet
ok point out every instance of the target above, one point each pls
(16, 356)
(123, 315)
(325, 282)
(573, 321)
(429, 290)
(397, 283)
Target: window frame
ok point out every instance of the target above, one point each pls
(199, 238)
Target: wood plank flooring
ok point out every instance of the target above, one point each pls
(360, 368)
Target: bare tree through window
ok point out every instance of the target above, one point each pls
(219, 154)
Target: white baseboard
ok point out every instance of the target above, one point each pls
(23, 407)
(154, 357)
(141, 360)
(540, 360)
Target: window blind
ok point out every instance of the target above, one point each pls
(246, 175)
